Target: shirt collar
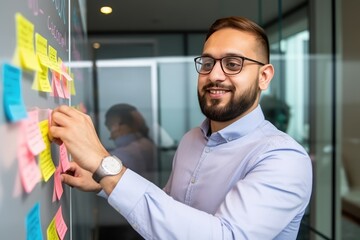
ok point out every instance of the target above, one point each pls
(235, 130)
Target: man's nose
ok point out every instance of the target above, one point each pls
(217, 73)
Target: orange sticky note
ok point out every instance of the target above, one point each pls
(60, 224)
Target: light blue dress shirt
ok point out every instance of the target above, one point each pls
(247, 181)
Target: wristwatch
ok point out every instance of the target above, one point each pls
(109, 166)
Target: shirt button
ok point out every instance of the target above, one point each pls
(192, 180)
(207, 150)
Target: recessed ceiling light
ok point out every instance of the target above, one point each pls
(106, 10)
(96, 45)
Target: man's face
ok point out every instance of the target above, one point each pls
(113, 125)
(227, 97)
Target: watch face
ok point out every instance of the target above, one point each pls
(111, 165)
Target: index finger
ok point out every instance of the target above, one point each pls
(67, 110)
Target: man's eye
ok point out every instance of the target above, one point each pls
(207, 65)
(233, 64)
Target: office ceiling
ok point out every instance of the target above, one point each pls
(181, 15)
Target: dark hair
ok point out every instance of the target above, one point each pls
(129, 115)
(120, 111)
(242, 24)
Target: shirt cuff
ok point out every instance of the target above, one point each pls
(128, 192)
(103, 194)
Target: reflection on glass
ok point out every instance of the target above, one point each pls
(130, 134)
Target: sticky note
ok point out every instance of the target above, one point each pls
(65, 72)
(25, 43)
(46, 163)
(58, 189)
(82, 107)
(35, 141)
(13, 101)
(54, 65)
(51, 231)
(65, 77)
(65, 88)
(60, 224)
(33, 223)
(29, 172)
(42, 50)
(41, 80)
(56, 86)
(64, 159)
(72, 87)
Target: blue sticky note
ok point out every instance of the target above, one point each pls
(13, 101)
(33, 224)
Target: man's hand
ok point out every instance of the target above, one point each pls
(76, 130)
(80, 178)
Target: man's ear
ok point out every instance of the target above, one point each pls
(266, 74)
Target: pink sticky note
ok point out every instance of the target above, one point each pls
(49, 116)
(34, 138)
(56, 85)
(61, 227)
(29, 171)
(54, 193)
(64, 159)
(18, 188)
(82, 108)
(57, 183)
(65, 73)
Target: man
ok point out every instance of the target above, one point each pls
(234, 177)
(129, 132)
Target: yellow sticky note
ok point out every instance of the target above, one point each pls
(25, 43)
(16, 57)
(41, 50)
(51, 231)
(46, 164)
(41, 44)
(41, 80)
(36, 84)
(72, 85)
(28, 60)
(54, 65)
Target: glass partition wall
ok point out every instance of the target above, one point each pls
(304, 100)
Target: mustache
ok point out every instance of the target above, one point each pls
(218, 85)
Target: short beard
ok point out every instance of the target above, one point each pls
(233, 109)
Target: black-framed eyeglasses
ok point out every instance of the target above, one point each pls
(230, 65)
